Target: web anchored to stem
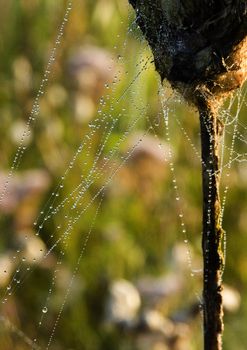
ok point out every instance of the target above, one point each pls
(107, 161)
(186, 37)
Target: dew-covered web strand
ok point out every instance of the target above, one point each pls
(50, 203)
(53, 210)
(189, 140)
(235, 122)
(34, 111)
(108, 158)
(226, 114)
(66, 233)
(110, 178)
(88, 136)
(88, 206)
(97, 176)
(228, 121)
(92, 202)
(165, 113)
(35, 108)
(102, 189)
(241, 100)
(227, 165)
(45, 307)
(75, 272)
(225, 117)
(93, 125)
(86, 183)
(36, 104)
(99, 193)
(107, 132)
(166, 110)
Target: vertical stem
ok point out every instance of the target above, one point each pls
(211, 130)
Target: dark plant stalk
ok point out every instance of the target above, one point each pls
(212, 236)
(200, 47)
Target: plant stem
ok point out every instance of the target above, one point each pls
(211, 130)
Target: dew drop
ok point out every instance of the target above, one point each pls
(44, 310)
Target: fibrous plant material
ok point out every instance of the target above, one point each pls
(200, 47)
(196, 42)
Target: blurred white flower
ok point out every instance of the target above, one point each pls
(124, 302)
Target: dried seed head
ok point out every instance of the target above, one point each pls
(198, 45)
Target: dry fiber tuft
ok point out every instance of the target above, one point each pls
(198, 45)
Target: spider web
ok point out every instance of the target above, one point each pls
(88, 193)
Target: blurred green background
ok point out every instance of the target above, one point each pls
(122, 271)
